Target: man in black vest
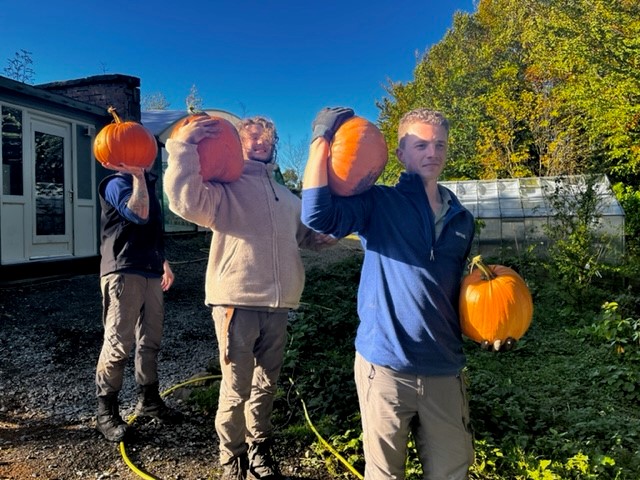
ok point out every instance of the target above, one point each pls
(134, 273)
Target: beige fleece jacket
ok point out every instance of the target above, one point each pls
(254, 260)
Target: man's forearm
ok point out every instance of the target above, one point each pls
(315, 173)
(139, 201)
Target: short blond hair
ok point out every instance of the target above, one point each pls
(421, 115)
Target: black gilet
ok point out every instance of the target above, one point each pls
(126, 246)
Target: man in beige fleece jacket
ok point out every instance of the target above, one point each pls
(254, 276)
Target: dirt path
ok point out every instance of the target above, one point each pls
(50, 336)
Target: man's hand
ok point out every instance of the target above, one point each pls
(198, 128)
(328, 121)
(167, 277)
(320, 240)
(499, 346)
(135, 171)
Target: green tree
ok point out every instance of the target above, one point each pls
(593, 48)
(532, 87)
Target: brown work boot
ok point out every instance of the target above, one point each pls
(108, 421)
(150, 404)
(261, 463)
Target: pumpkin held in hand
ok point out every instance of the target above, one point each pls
(495, 304)
(357, 158)
(127, 143)
(221, 157)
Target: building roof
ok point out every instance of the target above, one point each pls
(37, 92)
(161, 122)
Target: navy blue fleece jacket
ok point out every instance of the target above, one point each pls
(410, 281)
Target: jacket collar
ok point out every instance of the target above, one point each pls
(412, 183)
(256, 166)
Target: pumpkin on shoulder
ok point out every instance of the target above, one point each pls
(357, 158)
(220, 157)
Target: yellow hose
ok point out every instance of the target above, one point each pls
(131, 419)
(132, 467)
(324, 442)
(148, 476)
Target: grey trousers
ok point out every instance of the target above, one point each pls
(251, 346)
(132, 314)
(434, 409)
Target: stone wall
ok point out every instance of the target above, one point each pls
(119, 91)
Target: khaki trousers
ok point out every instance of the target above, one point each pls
(132, 314)
(252, 342)
(434, 409)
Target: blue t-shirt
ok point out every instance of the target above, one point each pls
(118, 192)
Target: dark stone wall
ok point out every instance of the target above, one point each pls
(119, 91)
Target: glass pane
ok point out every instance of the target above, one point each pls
(467, 191)
(489, 208)
(509, 188)
(49, 184)
(12, 183)
(84, 186)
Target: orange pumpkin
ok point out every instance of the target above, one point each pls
(127, 143)
(221, 157)
(357, 158)
(495, 304)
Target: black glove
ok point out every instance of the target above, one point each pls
(328, 121)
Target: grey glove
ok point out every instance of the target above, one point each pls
(328, 121)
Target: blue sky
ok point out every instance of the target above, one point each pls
(284, 59)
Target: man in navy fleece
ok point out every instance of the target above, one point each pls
(409, 359)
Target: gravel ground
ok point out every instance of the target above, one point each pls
(50, 337)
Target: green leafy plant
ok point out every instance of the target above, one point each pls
(578, 250)
(621, 334)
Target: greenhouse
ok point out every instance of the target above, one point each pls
(516, 213)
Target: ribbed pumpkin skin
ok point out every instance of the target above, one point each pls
(358, 157)
(125, 142)
(221, 157)
(497, 308)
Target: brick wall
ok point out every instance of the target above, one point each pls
(119, 91)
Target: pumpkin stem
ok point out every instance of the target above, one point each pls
(112, 111)
(191, 108)
(477, 262)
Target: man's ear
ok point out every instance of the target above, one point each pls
(399, 154)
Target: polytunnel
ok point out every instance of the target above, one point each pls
(514, 212)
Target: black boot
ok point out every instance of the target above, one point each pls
(108, 421)
(261, 463)
(235, 469)
(150, 404)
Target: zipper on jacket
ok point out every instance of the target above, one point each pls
(445, 222)
(274, 242)
(269, 179)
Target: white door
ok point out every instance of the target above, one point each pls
(49, 180)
